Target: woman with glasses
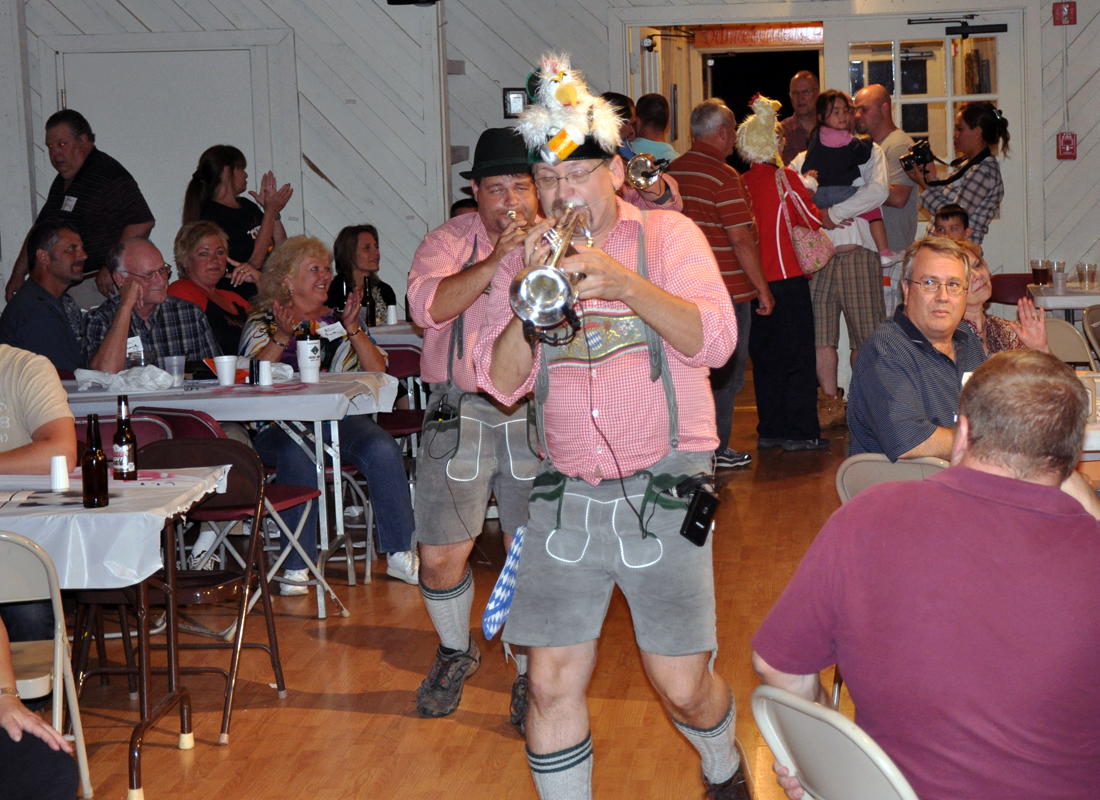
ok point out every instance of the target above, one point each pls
(292, 303)
(996, 334)
(216, 194)
(200, 250)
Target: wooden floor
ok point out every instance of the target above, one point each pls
(349, 727)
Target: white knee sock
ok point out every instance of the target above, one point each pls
(564, 775)
(202, 544)
(715, 746)
(450, 612)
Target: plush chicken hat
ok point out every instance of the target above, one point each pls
(758, 136)
(565, 122)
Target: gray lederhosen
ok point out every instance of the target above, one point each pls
(481, 450)
(583, 540)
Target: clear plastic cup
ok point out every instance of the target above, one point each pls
(174, 366)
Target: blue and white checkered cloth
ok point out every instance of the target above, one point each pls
(496, 612)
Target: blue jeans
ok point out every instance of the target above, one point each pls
(729, 379)
(374, 453)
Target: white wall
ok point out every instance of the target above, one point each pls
(370, 91)
(499, 45)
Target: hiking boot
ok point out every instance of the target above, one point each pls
(441, 691)
(831, 410)
(518, 707)
(739, 787)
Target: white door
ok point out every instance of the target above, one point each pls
(155, 112)
(929, 73)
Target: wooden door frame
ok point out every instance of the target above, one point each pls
(623, 43)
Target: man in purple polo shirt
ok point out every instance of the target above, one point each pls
(962, 609)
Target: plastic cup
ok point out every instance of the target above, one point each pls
(1059, 278)
(309, 360)
(1090, 275)
(265, 373)
(1082, 275)
(391, 315)
(59, 474)
(227, 369)
(174, 365)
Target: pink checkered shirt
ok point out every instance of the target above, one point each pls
(629, 409)
(443, 253)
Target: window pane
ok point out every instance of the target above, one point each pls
(974, 64)
(928, 121)
(870, 62)
(922, 68)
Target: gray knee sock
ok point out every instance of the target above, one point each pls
(715, 746)
(564, 775)
(450, 612)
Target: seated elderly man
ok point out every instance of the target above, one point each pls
(42, 317)
(143, 316)
(962, 609)
(906, 379)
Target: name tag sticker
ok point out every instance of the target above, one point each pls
(133, 345)
(333, 331)
(69, 204)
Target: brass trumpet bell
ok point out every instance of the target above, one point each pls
(643, 170)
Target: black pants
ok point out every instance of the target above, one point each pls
(784, 363)
(30, 770)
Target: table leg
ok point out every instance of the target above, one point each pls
(322, 510)
(338, 496)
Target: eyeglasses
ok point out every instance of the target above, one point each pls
(574, 178)
(164, 272)
(932, 286)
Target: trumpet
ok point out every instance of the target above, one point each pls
(643, 170)
(543, 296)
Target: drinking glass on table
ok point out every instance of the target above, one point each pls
(1040, 272)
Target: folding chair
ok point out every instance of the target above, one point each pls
(1009, 287)
(26, 574)
(244, 496)
(1068, 344)
(830, 754)
(1091, 323)
(147, 428)
(858, 472)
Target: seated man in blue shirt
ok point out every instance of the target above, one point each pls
(908, 375)
(142, 315)
(42, 317)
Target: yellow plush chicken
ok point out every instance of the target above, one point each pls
(564, 113)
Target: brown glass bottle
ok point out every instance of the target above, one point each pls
(93, 467)
(125, 444)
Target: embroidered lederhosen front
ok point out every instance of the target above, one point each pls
(473, 451)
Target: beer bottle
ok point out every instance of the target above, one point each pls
(125, 445)
(369, 304)
(93, 467)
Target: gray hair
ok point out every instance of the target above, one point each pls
(708, 117)
(940, 245)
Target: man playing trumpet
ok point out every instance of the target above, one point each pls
(627, 439)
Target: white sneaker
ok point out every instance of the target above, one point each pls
(404, 566)
(293, 590)
(211, 563)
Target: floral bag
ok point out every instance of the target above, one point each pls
(813, 249)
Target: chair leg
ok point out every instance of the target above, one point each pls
(78, 727)
(100, 644)
(128, 649)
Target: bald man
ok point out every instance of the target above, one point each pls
(874, 117)
(796, 130)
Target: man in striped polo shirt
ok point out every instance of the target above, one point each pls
(716, 200)
(908, 375)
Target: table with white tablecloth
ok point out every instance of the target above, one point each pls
(292, 405)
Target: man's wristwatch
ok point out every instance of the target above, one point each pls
(9, 690)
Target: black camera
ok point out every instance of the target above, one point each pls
(919, 155)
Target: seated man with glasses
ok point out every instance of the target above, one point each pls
(142, 316)
(907, 377)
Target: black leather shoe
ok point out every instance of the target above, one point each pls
(791, 445)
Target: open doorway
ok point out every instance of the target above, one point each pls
(737, 77)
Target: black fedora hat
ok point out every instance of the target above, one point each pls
(499, 151)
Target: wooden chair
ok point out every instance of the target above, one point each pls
(244, 496)
(28, 574)
(830, 754)
(1068, 344)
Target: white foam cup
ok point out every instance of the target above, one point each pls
(227, 369)
(59, 474)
